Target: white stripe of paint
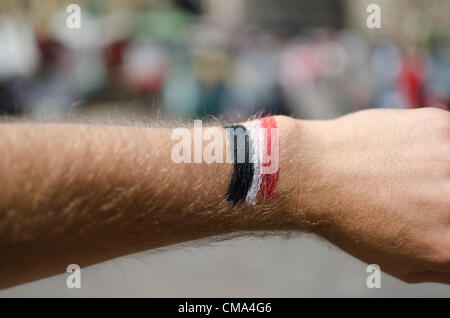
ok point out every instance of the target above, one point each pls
(255, 133)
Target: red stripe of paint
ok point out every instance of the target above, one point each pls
(269, 181)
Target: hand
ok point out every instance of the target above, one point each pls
(383, 182)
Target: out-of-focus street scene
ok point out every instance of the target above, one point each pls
(227, 59)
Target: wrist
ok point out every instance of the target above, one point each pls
(302, 153)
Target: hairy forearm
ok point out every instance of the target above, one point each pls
(375, 183)
(83, 194)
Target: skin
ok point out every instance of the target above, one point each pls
(376, 183)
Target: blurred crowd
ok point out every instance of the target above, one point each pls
(181, 63)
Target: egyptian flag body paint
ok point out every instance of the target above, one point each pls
(255, 175)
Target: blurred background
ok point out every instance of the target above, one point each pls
(229, 59)
(142, 59)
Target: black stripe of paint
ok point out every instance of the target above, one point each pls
(242, 176)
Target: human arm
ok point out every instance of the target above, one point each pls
(375, 183)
